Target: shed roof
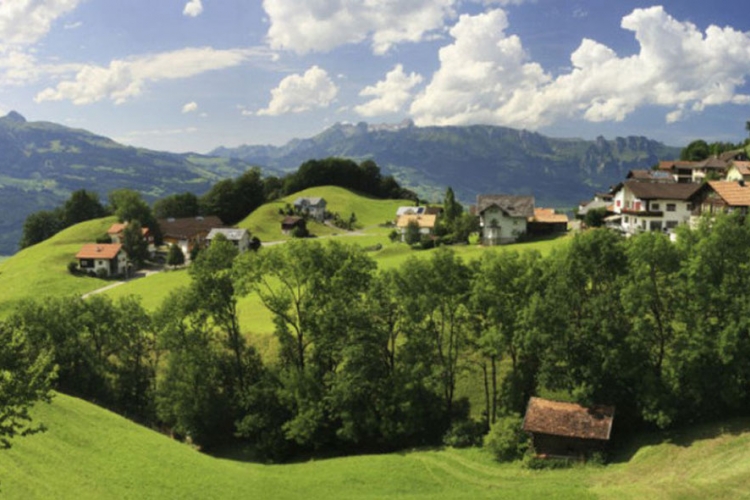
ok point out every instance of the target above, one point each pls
(291, 220)
(735, 194)
(568, 419)
(424, 221)
(513, 205)
(231, 233)
(119, 227)
(106, 251)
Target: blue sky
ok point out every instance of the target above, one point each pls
(191, 75)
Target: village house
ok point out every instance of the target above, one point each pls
(116, 230)
(108, 259)
(292, 222)
(503, 218)
(188, 232)
(696, 171)
(315, 207)
(426, 224)
(722, 197)
(739, 171)
(547, 221)
(567, 429)
(239, 237)
(653, 206)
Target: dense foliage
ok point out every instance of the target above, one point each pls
(81, 206)
(369, 360)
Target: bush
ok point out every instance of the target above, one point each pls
(300, 232)
(506, 440)
(102, 274)
(536, 463)
(394, 236)
(464, 433)
(73, 267)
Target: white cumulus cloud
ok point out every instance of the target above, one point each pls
(485, 76)
(127, 78)
(322, 25)
(193, 8)
(389, 95)
(190, 107)
(299, 93)
(24, 22)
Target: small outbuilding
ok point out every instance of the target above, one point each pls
(547, 221)
(239, 237)
(560, 429)
(292, 222)
(314, 206)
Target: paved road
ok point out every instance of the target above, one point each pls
(140, 274)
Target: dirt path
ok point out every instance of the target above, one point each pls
(144, 273)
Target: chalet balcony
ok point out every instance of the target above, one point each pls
(642, 213)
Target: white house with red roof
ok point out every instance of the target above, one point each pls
(102, 258)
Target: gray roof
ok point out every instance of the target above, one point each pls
(231, 234)
(513, 205)
(312, 201)
(662, 190)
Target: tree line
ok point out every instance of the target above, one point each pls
(230, 199)
(369, 360)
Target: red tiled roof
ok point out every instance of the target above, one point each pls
(106, 251)
(743, 167)
(733, 193)
(568, 419)
(117, 228)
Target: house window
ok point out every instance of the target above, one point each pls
(654, 206)
(627, 219)
(689, 206)
(637, 206)
(671, 224)
(671, 207)
(655, 225)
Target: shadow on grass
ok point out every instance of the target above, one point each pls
(684, 437)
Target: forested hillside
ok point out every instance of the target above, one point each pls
(474, 159)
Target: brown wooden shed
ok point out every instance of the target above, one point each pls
(560, 429)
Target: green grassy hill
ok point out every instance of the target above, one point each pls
(89, 452)
(265, 222)
(41, 270)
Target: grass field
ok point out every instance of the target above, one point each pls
(41, 270)
(88, 452)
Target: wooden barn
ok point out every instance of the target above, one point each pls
(567, 429)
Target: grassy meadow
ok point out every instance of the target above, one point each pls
(89, 452)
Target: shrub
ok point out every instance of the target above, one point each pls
(73, 267)
(464, 433)
(300, 232)
(102, 274)
(394, 236)
(175, 257)
(536, 463)
(506, 440)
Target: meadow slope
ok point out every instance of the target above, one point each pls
(89, 452)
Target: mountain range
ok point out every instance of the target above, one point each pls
(473, 159)
(41, 163)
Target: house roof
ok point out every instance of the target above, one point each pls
(290, 220)
(672, 164)
(568, 419)
(735, 194)
(713, 162)
(424, 221)
(409, 210)
(232, 234)
(188, 227)
(651, 175)
(106, 251)
(548, 216)
(514, 206)
(662, 190)
(731, 155)
(743, 167)
(309, 200)
(119, 227)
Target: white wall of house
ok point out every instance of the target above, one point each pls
(674, 213)
(500, 228)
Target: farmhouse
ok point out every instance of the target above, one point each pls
(567, 429)
(240, 237)
(739, 171)
(108, 259)
(503, 218)
(116, 230)
(315, 207)
(653, 206)
(723, 197)
(426, 224)
(188, 232)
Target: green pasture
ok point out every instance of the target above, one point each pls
(88, 452)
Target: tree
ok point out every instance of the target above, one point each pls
(177, 205)
(41, 225)
(451, 208)
(175, 257)
(128, 206)
(411, 233)
(25, 379)
(134, 243)
(696, 151)
(82, 206)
